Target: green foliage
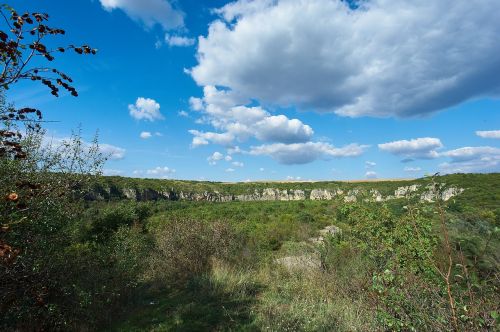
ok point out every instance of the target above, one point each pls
(105, 220)
(48, 193)
(184, 249)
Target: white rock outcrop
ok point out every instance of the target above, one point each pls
(405, 192)
(430, 195)
(450, 193)
(321, 194)
(350, 199)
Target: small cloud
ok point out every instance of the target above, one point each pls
(412, 169)
(111, 151)
(145, 135)
(371, 175)
(196, 104)
(488, 133)
(148, 12)
(214, 158)
(112, 172)
(179, 41)
(234, 150)
(303, 153)
(369, 164)
(483, 159)
(419, 148)
(158, 172)
(108, 151)
(183, 114)
(204, 138)
(145, 109)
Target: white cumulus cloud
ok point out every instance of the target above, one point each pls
(111, 172)
(179, 41)
(227, 113)
(386, 58)
(412, 169)
(234, 150)
(204, 138)
(281, 129)
(157, 172)
(110, 151)
(162, 172)
(302, 153)
(145, 135)
(482, 159)
(488, 133)
(419, 148)
(148, 12)
(145, 109)
(470, 153)
(215, 157)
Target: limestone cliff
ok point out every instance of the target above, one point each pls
(425, 194)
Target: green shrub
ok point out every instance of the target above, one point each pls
(184, 249)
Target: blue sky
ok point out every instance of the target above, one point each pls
(253, 90)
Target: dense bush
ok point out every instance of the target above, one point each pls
(104, 220)
(58, 272)
(185, 249)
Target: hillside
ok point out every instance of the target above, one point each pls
(484, 189)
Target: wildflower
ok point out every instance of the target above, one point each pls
(13, 197)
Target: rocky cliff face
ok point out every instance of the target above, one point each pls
(427, 194)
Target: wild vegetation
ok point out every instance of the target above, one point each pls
(401, 266)
(179, 265)
(68, 263)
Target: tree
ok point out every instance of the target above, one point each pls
(21, 43)
(40, 183)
